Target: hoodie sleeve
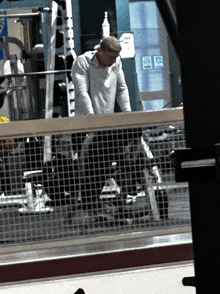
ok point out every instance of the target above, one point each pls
(80, 76)
(122, 94)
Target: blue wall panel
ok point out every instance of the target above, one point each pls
(3, 33)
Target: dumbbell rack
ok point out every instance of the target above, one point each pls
(67, 27)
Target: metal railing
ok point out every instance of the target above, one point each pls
(107, 175)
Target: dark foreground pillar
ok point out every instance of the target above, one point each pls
(199, 47)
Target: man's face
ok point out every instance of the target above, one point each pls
(109, 57)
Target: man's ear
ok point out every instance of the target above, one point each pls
(100, 49)
(100, 52)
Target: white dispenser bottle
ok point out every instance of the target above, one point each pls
(105, 26)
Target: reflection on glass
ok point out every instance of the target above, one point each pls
(151, 52)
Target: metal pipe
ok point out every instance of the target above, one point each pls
(198, 163)
(36, 73)
(20, 15)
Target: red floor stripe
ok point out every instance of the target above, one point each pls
(94, 263)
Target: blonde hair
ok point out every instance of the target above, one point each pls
(110, 44)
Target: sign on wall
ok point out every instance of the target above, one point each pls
(147, 62)
(127, 44)
(158, 61)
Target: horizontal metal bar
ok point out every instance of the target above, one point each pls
(198, 163)
(171, 186)
(36, 73)
(42, 127)
(17, 87)
(20, 15)
(98, 245)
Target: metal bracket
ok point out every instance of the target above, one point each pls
(193, 165)
(4, 44)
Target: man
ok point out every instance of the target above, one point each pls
(99, 80)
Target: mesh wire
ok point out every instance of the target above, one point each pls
(85, 184)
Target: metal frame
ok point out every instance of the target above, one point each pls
(24, 4)
(69, 49)
(20, 15)
(51, 72)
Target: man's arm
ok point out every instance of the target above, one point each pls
(83, 104)
(122, 94)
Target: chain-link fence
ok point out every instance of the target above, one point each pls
(76, 184)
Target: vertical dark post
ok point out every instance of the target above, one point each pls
(199, 41)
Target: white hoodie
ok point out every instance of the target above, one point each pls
(97, 87)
